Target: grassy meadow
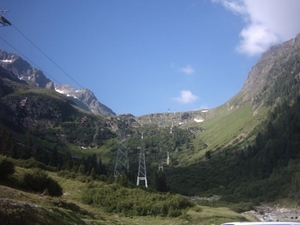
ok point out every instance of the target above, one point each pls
(69, 208)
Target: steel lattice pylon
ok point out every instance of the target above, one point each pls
(122, 162)
(142, 172)
(168, 158)
(160, 160)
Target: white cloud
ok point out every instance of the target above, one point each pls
(187, 70)
(232, 5)
(186, 97)
(256, 39)
(267, 22)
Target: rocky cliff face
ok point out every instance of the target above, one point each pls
(22, 70)
(276, 56)
(85, 99)
(277, 66)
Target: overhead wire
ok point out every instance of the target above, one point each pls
(47, 56)
(30, 60)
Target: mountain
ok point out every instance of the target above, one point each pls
(251, 137)
(276, 70)
(22, 70)
(274, 80)
(251, 142)
(85, 99)
(246, 151)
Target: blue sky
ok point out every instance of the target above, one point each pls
(144, 57)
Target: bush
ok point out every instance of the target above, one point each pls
(32, 163)
(7, 167)
(103, 178)
(83, 178)
(174, 213)
(38, 180)
(114, 198)
(67, 174)
(241, 207)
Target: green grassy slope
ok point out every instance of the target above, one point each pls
(224, 127)
(18, 205)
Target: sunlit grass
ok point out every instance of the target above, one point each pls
(227, 127)
(208, 215)
(91, 215)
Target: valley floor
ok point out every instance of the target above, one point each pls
(18, 207)
(29, 208)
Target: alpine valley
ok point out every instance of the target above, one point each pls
(62, 152)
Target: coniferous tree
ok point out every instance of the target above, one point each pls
(207, 154)
(160, 182)
(123, 179)
(54, 158)
(6, 167)
(27, 153)
(93, 173)
(81, 169)
(12, 152)
(8, 145)
(92, 163)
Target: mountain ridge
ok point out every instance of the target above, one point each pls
(263, 74)
(22, 70)
(245, 150)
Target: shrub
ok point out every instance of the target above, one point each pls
(67, 174)
(114, 198)
(174, 213)
(7, 167)
(29, 163)
(242, 207)
(103, 178)
(83, 178)
(38, 180)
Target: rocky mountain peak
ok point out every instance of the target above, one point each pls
(85, 99)
(22, 70)
(268, 71)
(259, 74)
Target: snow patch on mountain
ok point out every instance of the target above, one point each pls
(85, 99)
(22, 70)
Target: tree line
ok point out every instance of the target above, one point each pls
(265, 170)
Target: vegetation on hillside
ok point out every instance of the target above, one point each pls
(263, 171)
(244, 152)
(94, 202)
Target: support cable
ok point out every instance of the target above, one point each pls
(30, 60)
(47, 56)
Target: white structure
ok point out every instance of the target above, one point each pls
(142, 172)
(168, 158)
(160, 161)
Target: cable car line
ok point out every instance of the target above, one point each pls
(30, 61)
(3, 20)
(47, 56)
(23, 102)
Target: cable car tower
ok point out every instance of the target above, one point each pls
(142, 172)
(172, 125)
(122, 162)
(168, 158)
(3, 21)
(160, 154)
(160, 160)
